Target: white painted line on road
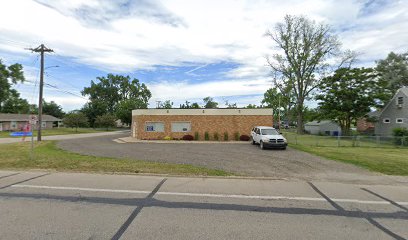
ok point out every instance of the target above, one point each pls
(81, 189)
(238, 196)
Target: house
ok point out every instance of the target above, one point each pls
(175, 123)
(16, 122)
(367, 124)
(326, 127)
(394, 114)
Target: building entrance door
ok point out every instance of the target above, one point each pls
(1, 127)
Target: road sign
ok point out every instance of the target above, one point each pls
(33, 119)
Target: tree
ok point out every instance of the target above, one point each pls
(251, 106)
(53, 109)
(209, 102)
(75, 119)
(348, 95)
(393, 70)
(15, 104)
(105, 121)
(108, 93)
(166, 104)
(230, 105)
(305, 47)
(125, 107)
(9, 75)
(195, 105)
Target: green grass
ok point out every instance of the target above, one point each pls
(60, 131)
(391, 161)
(48, 156)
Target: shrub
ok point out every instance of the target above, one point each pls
(206, 136)
(401, 136)
(216, 137)
(167, 138)
(236, 136)
(225, 136)
(244, 138)
(196, 136)
(188, 138)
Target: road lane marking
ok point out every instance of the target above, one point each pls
(212, 195)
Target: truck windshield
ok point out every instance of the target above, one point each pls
(269, 132)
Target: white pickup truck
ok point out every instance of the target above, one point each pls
(268, 137)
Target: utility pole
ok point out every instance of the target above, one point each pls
(41, 49)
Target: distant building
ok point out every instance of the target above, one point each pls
(175, 123)
(326, 127)
(367, 124)
(394, 114)
(16, 122)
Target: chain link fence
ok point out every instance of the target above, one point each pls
(347, 141)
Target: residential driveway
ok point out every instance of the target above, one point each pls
(244, 159)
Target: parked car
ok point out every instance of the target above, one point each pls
(267, 137)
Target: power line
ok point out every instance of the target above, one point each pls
(65, 91)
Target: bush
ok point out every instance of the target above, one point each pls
(196, 136)
(244, 138)
(206, 136)
(216, 137)
(188, 138)
(401, 136)
(167, 138)
(225, 136)
(236, 136)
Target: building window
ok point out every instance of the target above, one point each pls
(386, 120)
(400, 100)
(154, 127)
(399, 120)
(13, 124)
(181, 126)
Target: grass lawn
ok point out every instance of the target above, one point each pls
(61, 131)
(48, 156)
(391, 161)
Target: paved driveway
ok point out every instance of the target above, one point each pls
(238, 158)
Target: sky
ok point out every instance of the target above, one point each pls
(183, 50)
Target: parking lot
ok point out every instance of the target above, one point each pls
(239, 158)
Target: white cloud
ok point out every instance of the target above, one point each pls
(122, 37)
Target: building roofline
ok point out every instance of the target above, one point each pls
(204, 111)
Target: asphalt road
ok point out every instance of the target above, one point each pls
(238, 158)
(42, 205)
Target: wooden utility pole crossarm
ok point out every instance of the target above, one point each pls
(41, 49)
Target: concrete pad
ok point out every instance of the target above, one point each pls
(22, 177)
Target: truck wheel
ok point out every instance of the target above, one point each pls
(252, 141)
(261, 145)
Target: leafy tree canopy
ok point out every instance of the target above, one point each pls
(166, 104)
(53, 109)
(394, 71)
(10, 75)
(348, 95)
(75, 119)
(105, 121)
(210, 103)
(108, 93)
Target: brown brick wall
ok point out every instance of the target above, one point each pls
(363, 125)
(201, 124)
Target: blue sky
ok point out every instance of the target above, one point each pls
(183, 50)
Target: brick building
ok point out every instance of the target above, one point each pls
(175, 123)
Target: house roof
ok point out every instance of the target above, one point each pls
(373, 114)
(5, 117)
(403, 90)
(318, 123)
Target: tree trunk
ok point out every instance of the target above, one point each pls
(300, 127)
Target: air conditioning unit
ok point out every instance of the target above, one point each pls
(399, 105)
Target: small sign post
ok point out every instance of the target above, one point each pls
(32, 121)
